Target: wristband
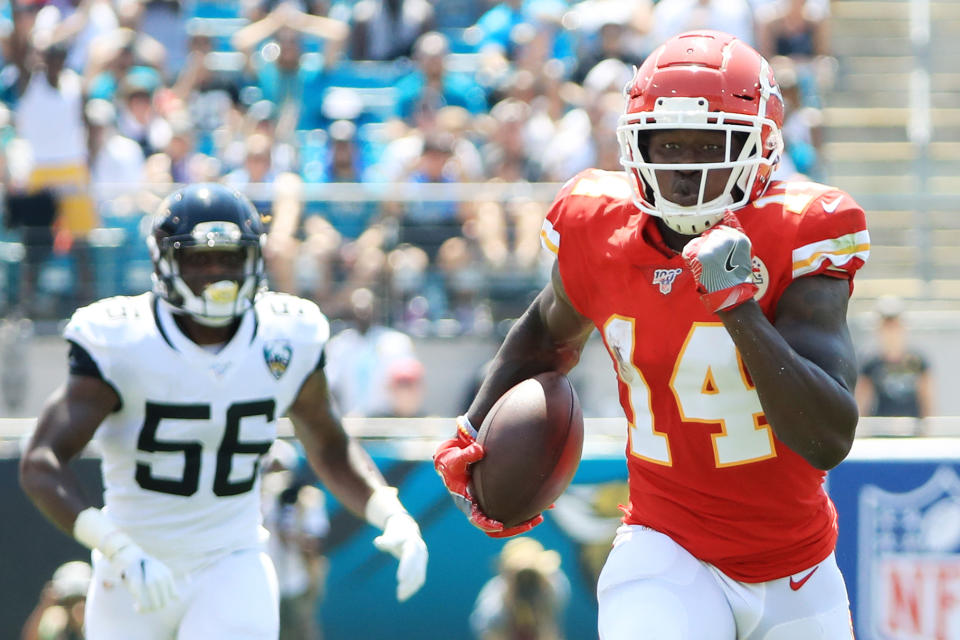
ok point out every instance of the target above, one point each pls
(94, 530)
(382, 504)
(463, 422)
(727, 299)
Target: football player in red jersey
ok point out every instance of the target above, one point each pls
(721, 297)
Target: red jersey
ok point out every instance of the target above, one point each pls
(704, 466)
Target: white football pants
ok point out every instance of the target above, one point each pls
(651, 588)
(235, 598)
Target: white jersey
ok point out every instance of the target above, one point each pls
(180, 456)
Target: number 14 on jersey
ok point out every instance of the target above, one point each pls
(709, 384)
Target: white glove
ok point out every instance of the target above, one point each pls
(149, 581)
(401, 538)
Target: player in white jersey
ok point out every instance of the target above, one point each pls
(180, 389)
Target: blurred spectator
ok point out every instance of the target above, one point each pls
(118, 55)
(400, 156)
(59, 612)
(256, 177)
(507, 234)
(671, 17)
(542, 38)
(527, 598)
(580, 143)
(163, 20)
(281, 70)
(358, 359)
(17, 50)
(430, 86)
(282, 206)
(295, 515)
(608, 75)
(78, 23)
(463, 273)
(895, 380)
(429, 222)
(612, 41)
(510, 25)
(49, 118)
(185, 161)
(407, 267)
(405, 390)
(260, 119)
(264, 118)
(387, 29)
(138, 117)
(800, 31)
(506, 154)
(258, 9)
(208, 95)
(116, 161)
(283, 27)
(802, 134)
(344, 164)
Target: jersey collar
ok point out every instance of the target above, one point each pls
(172, 334)
(648, 233)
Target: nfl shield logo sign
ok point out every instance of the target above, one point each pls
(664, 278)
(909, 560)
(277, 354)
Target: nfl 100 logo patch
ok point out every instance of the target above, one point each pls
(277, 354)
(909, 560)
(664, 278)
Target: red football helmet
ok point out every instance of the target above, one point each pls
(703, 80)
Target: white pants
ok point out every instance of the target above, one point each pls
(234, 598)
(651, 588)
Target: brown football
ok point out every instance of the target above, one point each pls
(533, 438)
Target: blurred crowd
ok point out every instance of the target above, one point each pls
(393, 145)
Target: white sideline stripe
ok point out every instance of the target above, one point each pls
(839, 251)
(368, 428)
(944, 441)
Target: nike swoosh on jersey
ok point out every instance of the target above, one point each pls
(728, 265)
(796, 584)
(831, 206)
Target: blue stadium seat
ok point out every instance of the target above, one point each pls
(213, 9)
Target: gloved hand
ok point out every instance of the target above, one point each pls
(149, 581)
(401, 538)
(720, 260)
(452, 460)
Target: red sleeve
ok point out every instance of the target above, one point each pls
(832, 238)
(557, 216)
(573, 231)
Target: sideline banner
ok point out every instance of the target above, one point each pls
(899, 546)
